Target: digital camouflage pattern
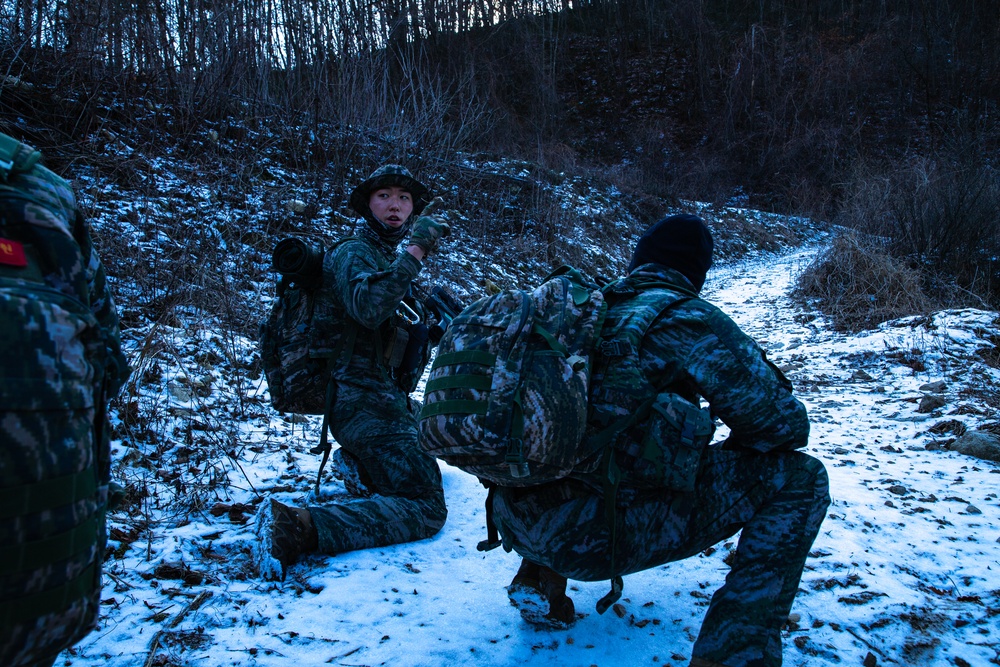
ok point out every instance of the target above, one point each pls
(371, 420)
(296, 346)
(506, 399)
(378, 432)
(753, 482)
(296, 378)
(62, 360)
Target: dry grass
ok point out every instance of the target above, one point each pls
(858, 284)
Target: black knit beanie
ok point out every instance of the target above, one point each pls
(681, 242)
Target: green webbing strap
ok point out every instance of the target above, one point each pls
(47, 494)
(455, 407)
(346, 351)
(39, 553)
(517, 415)
(324, 440)
(465, 357)
(460, 381)
(515, 445)
(612, 478)
(607, 436)
(54, 600)
(550, 339)
(492, 540)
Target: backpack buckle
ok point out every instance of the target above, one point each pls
(515, 458)
(615, 348)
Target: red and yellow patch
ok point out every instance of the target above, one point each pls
(12, 253)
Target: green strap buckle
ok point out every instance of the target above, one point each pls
(515, 458)
(8, 150)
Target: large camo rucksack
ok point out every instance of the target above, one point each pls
(533, 386)
(295, 365)
(506, 399)
(509, 396)
(306, 335)
(52, 495)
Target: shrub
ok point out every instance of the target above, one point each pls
(939, 215)
(858, 284)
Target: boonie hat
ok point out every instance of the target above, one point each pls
(386, 176)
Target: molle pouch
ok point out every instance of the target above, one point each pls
(415, 358)
(676, 434)
(394, 347)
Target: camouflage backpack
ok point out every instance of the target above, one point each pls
(296, 376)
(530, 386)
(506, 399)
(53, 487)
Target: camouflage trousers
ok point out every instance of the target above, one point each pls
(778, 500)
(379, 433)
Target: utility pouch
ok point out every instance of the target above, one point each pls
(394, 348)
(676, 434)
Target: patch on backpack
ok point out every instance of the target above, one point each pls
(12, 253)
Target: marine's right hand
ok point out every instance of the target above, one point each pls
(428, 230)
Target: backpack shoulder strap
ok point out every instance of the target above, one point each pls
(651, 302)
(625, 339)
(15, 156)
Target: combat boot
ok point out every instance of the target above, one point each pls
(283, 534)
(535, 585)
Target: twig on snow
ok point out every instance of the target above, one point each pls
(193, 605)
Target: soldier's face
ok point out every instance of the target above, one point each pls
(392, 205)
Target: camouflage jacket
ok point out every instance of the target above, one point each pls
(363, 285)
(695, 348)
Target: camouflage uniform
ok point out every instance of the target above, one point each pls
(371, 417)
(55, 457)
(752, 482)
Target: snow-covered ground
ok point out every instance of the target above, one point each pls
(905, 571)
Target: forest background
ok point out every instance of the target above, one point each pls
(878, 115)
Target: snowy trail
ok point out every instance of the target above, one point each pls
(905, 568)
(907, 564)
